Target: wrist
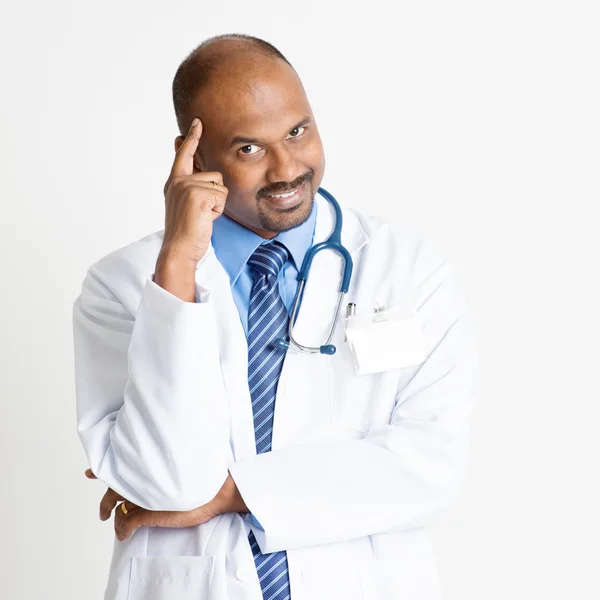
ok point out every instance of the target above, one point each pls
(171, 259)
(176, 273)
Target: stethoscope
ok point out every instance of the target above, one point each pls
(333, 242)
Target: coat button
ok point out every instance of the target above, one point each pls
(243, 573)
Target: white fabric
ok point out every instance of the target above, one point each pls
(360, 463)
(386, 339)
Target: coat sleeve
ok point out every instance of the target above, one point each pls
(400, 474)
(151, 408)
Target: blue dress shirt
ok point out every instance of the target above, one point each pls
(234, 245)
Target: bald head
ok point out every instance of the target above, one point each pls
(230, 55)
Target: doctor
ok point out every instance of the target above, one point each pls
(245, 471)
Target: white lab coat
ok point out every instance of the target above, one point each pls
(359, 465)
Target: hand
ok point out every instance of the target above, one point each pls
(192, 203)
(228, 499)
(109, 500)
(136, 517)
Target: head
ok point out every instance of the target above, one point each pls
(259, 131)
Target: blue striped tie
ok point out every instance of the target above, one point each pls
(267, 321)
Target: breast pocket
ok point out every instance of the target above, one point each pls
(385, 340)
(170, 577)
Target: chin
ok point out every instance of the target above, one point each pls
(284, 219)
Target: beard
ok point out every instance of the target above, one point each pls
(284, 219)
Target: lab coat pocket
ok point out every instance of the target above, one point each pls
(170, 577)
(385, 339)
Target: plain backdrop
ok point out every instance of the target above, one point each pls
(476, 122)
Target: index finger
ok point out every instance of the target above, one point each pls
(184, 157)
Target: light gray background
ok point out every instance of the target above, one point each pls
(474, 121)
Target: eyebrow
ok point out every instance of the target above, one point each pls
(247, 140)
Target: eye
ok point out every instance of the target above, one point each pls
(300, 131)
(246, 147)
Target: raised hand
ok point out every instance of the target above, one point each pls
(193, 200)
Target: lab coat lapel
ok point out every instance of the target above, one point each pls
(233, 351)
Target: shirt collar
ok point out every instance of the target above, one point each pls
(234, 244)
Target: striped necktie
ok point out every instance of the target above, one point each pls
(267, 321)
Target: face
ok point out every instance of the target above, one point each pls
(260, 134)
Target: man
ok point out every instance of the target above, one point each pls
(246, 471)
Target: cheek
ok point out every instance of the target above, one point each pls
(314, 152)
(315, 159)
(240, 178)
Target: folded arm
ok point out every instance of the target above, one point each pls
(400, 474)
(152, 414)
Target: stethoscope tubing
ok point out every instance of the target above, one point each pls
(333, 242)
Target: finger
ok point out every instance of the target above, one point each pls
(219, 207)
(188, 184)
(89, 474)
(184, 157)
(108, 502)
(120, 517)
(136, 517)
(118, 522)
(208, 177)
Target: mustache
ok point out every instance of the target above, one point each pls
(284, 188)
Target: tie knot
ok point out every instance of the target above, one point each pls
(269, 258)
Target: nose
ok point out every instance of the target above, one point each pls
(282, 166)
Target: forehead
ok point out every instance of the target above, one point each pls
(248, 100)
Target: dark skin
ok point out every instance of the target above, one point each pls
(262, 100)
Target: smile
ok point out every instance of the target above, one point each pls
(288, 195)
(287, 199)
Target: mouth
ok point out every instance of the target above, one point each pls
(288, 199)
